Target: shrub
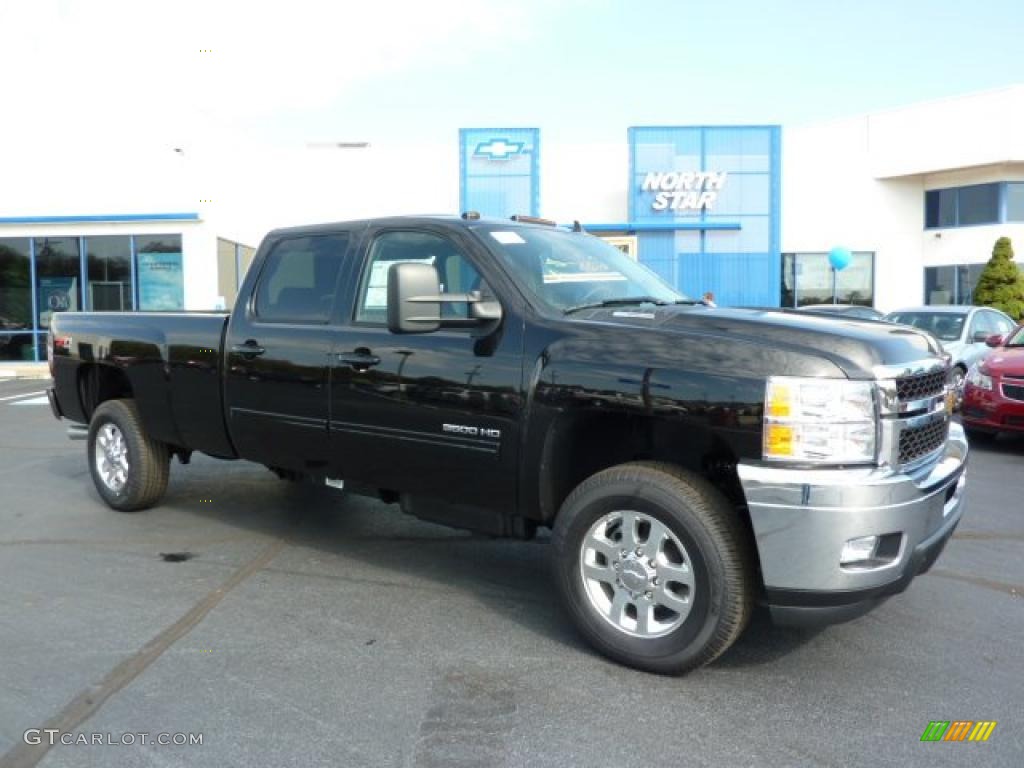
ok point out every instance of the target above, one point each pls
(1001, 283)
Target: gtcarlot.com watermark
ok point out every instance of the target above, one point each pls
(53, 736)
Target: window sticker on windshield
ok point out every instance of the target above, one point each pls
(508, 238)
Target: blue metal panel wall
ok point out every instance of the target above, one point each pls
(741, 267)
(499, 170)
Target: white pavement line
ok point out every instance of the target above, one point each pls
(33, 401)
(23, 394)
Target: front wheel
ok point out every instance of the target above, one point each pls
(654, 567)
(129, 469)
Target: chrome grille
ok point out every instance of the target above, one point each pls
(917, 442)
(914, 420)
(921, 385)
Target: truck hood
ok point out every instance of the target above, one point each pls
(855, 346)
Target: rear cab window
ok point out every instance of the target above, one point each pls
(299, 280)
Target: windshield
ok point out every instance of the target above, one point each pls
(1015, 338)
(944, 326)
(564, 270)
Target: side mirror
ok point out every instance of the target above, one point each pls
(980, 336)
(415, 299)
(994, 340)
(409, 284)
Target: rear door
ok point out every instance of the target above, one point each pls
(437, 413)
(278, 353)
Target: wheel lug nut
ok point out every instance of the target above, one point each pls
(639, 551)
(624, 552)
(648, 594)
(617, 566)
(654, 581)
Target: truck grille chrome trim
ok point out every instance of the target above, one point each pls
(915, 420)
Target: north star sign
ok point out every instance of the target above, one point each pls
(683, 190)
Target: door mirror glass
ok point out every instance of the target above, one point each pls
(413, 301)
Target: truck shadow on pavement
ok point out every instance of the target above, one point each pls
(392, 549)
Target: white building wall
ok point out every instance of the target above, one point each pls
(584, 182)
(861, 182)
(960, 132)
(830, 199)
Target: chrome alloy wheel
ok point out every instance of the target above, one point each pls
(636, 574)
(111, 457)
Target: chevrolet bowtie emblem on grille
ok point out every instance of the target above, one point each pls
(498, 149)
(950, 402)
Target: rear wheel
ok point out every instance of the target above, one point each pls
(654, 567)
(129, 469)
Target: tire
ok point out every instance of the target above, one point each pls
(675, 626)
(129, 469)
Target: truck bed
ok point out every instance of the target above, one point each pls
(170, 361)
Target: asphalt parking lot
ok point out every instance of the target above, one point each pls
(311, 628)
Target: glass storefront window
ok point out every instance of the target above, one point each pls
(15, 285)
(940, 285)
(159, 272)
(58, 268)
(951, 285)
(855, 284)
(940, 208)
(109, 260)
(977, 204)
(813, 279)
(807, 278)
(1015, 201)
(967, 279)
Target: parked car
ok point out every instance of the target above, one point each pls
(994, 392)
(961, 330)
(846, 310)
(500, 376)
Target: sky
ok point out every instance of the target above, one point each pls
(290, 72)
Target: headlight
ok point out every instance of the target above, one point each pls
(820, 421)
(979, 379)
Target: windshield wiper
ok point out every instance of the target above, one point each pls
(617, 303)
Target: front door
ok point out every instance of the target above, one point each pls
(278, 355)
(434, 414)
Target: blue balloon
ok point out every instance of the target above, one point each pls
(840, 258)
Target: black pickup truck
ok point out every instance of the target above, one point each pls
(691, 461)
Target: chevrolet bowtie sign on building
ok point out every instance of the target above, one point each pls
(498, 149)
(499, 170)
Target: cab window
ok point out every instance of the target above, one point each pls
(299, 280)
(456, 273)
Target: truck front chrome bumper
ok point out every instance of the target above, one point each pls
(803, 518)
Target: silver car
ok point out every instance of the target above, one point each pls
(961, 331)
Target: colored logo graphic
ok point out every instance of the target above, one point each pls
(958, 730)
(499, 149)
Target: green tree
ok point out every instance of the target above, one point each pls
(1001, 283)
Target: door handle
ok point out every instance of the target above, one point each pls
(249, 350)
(359, 359)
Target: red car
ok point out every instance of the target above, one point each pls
(994, 392)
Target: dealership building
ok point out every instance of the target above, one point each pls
(918, 194)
